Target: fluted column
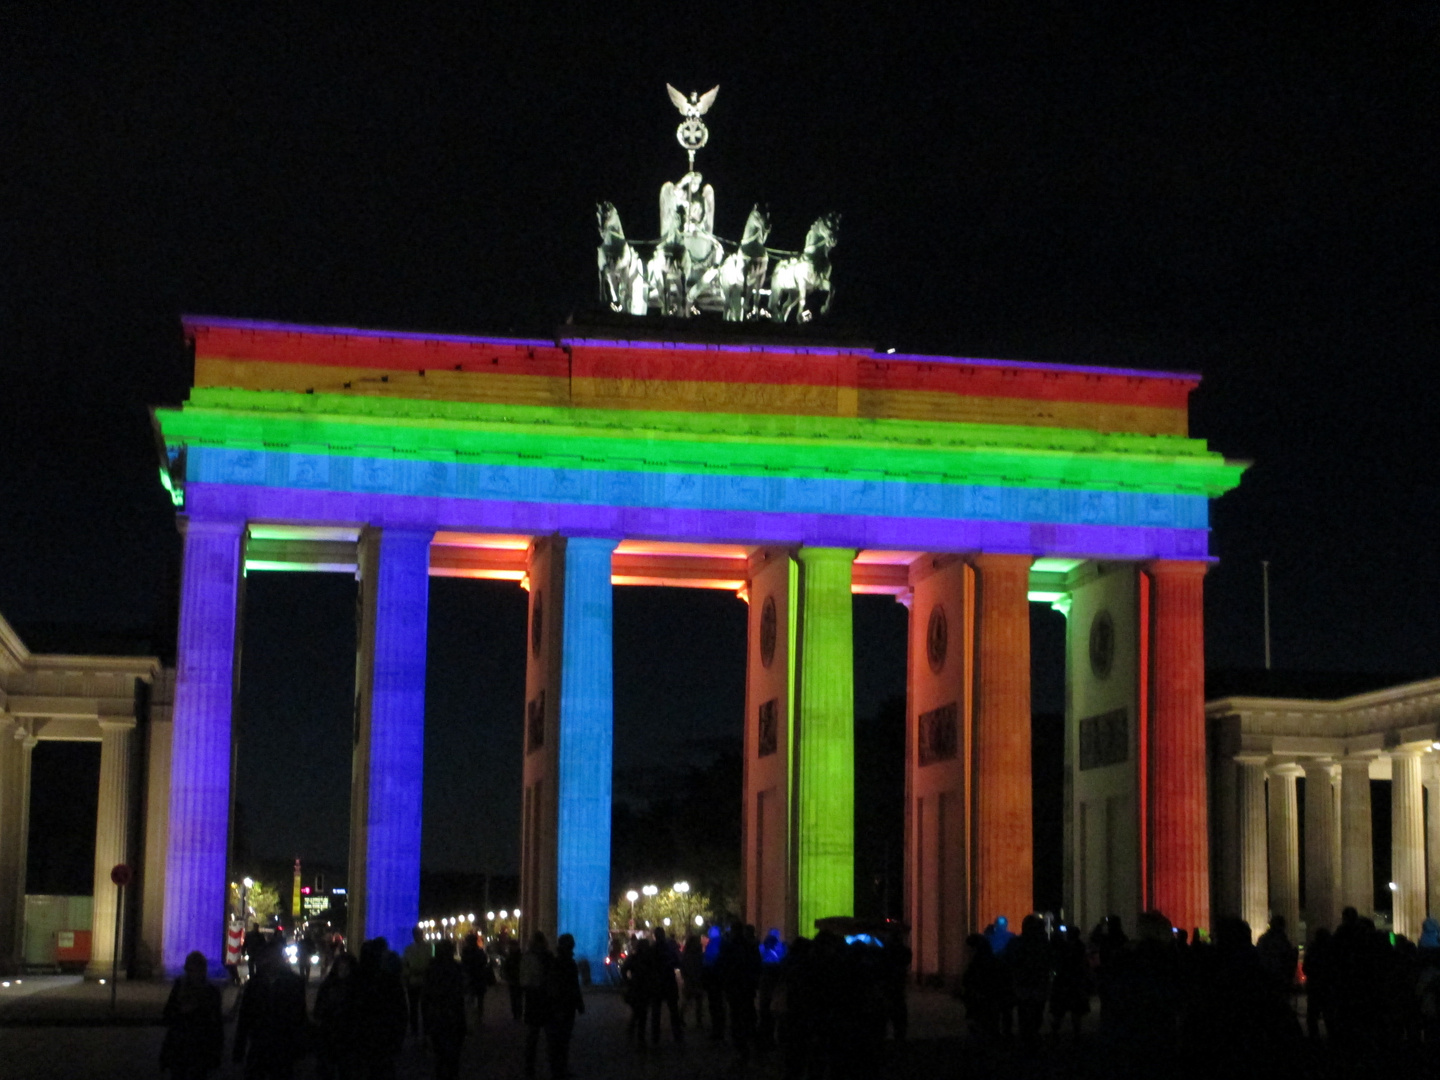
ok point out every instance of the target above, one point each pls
(825, 738)
(1284, 845)
(1254, 883)
(387, 777)
(1320, 909)
(196, 853)
(1432, 834)
(112, 830)
(1357, 860)
(16, 742)
(1003, 836)
(587, 726)
(1177, 828)
(1407, 842)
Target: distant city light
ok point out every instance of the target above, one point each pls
(1394, 887)
(470, 917)
(249, 884)
(666, 920)
(699, 920)
(517, 912)
(650, 890)
(504, 914)
(682, 886)
(490, 915)
(632, 896)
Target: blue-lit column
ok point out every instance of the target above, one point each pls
(389, 755)
(196, 851)
(586, 742)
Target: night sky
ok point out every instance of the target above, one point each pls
(1248, 194)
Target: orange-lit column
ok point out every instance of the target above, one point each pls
(1003, 838)
(1176, 816)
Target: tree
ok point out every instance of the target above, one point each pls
(263, 901)
(682, 907)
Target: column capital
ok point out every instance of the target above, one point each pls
(1324, 765)
(117, 723)
(1251, 759)
(1286, 767)
(189, 525)
(825, 554)
(1177, 567)
(995, 560)
(1410, 750)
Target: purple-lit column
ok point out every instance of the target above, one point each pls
(389, 757)
(196, 855)
(586, 724)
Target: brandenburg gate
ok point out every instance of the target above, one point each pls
(794, 474)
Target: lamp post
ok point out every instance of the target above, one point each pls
(682, 891)
(632, 896)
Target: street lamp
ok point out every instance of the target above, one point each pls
(632, 896)
(650, 890)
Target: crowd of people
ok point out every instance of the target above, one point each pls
(363, 1009)
(1167, 999)
(1209, 1004)
(825, 1003)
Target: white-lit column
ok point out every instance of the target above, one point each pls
(112, 828)
(1407, 842)
(1357, 866)
(1284, 837)
(1251, 836)
(1319, 846)
(1432, 833)
(16, 742)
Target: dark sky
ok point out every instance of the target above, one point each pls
(1245, 193)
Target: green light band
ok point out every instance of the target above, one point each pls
(719, 444)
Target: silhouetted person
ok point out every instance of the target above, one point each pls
(692, 974)
(639, 973)
(1028, 959)
(535, 981)
(714, 984)
(1071, 988)
(999, 935)
(895, 983)
(795, 1008)
(255, 944)
(337, 1010)
(566, 1001)
(510, 972)
(416, 961)
(982, 988)
(479, 976)
(666, 961)
(740, 974)
(1319, 983)
(271, 1033)
(195, 1032)
(1278, 956)
(381, 1020)
(443, 1007)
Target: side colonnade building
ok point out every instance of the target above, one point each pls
(1263, 747)
(794, 474)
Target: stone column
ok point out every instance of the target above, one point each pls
(1250, 837)
(1320, 876)
(1407, 842)
(1002, 831)
(586, 751)
(568, 740)
(824, 818)
(1357, 865)
(1432, 834)
(112, 830)
(387, 778)
(1177, 811)
(197, 849)
(1284, 845)
(16, 743)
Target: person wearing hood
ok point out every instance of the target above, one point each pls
(195, 1033)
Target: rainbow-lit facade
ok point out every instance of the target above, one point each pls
(676, 462)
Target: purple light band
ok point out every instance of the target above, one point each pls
(700, 526)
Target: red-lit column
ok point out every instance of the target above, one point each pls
(1003, 881)
(1177, 820)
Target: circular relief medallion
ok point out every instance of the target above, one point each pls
(537, 621)
(767, 631)
(937, 638)
(1102, 644)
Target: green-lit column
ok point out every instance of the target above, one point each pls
(824, 739)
